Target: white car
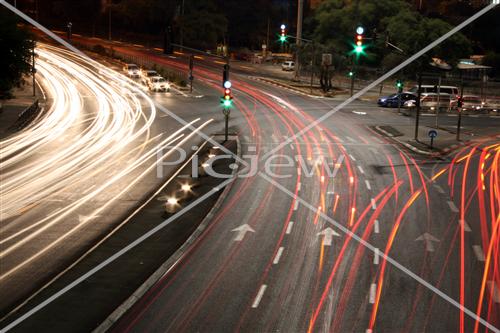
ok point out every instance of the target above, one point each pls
(158, 83)
(146, 74)
(132, 70)
(288, 66)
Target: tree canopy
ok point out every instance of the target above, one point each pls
(393, 20)
(15, 59)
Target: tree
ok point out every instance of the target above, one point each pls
(203, 24)
(15, 59)
(395, 20)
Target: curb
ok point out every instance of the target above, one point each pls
(407, 145)
(170, 263)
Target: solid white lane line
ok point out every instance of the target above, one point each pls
(278, 255)
(352, 157)
(373, 290)
(376, 256)
(368, 186)
(478, 251)
(259, 296)
(453, 208)
(376, 227)
(361, 169)
(289, 228)
(374, 205)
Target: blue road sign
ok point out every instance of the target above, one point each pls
(433, 133)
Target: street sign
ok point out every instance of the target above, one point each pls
(432, 134)
(326, 59)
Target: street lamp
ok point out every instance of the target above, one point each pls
(69, 30)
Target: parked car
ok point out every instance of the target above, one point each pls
(427, 89)
(146, 74)
(471, 103)
(492, 105)
(288, 66)
(132, 70)
(392, 101)
(158, 83)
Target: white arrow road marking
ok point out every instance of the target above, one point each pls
(428, 239)
(242, 230)
(278, 255)
(495, 293)
(478, 251)
(259, 296)
(328, 234)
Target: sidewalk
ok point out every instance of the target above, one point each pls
(12, 108)
(445, 141)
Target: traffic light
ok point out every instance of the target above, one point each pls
(358, 47)
(225, 75)
(227, 99)
(283, 33)
(399, 85)
(350, 74)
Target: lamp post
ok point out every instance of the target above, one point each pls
(69, 30)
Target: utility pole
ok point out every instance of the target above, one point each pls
(181, 41)
(109, 19)
(419, 96)
(459, 104)
(267, 38)
(300, 10)
(33, 69)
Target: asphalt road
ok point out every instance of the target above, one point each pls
(274, 262)
(290, 272)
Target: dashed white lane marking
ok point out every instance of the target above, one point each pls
(376, 256)
(340, 140)
(350, 139)
(352, 157)
(478, 251)
(368, 186)
(299, 186)
(361, 169)
(495, 293)
(453, 208)
(376, 227)
(296, 205)
(247, 139)
(374, 205)
(278, 255)
(274, 138)
(291, 147)
(439, 189)
(289, 228)
(373, 289)
(465, 224)
(259, 296)
(369, 330)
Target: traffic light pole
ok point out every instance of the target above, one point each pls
(459, 109)
(419, 95)
(353, 71)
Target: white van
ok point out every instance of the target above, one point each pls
(288, 66)
(427, 88)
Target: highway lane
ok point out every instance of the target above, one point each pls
(289, 271)
(70, 178)
(281, 277)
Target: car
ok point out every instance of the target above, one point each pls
(427, 88)
(393, 100)
(132, 70)
(158, 83)
(433, 101)
(492, 105)
(146, 74)
(288, 66)
(471, 103)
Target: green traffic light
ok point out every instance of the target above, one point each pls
(227, 103)
(358, 49)
(282, 39)
(351, 74)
